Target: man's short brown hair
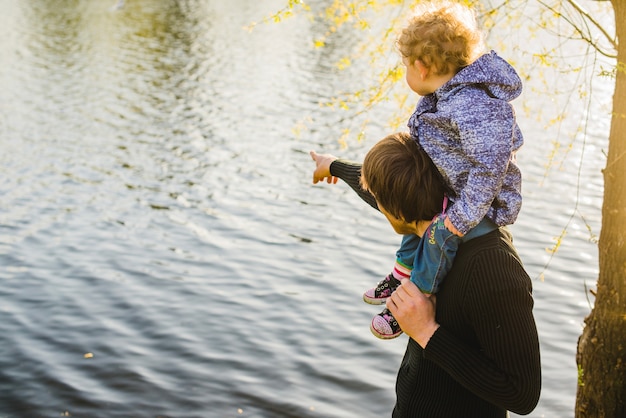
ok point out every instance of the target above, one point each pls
(402, 178)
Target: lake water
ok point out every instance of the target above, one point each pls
(163, 252)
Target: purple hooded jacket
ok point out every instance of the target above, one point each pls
(468, 129)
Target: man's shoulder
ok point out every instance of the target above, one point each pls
(498, 238)
(495, 248)
(491, 259)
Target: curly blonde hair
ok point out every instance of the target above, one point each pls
(444, 36)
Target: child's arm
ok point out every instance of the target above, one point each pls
(450, 227)
(487, 139)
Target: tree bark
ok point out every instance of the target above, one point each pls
(601, 355)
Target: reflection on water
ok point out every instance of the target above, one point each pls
(157, 213)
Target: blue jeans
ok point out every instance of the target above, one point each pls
(431, 256)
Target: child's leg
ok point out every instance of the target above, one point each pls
(434, 256)
(401, 270)
(432, 259)
(405, 256)
(436, 252)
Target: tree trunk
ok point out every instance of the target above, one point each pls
(601, 355)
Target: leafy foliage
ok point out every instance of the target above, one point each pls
(543, 39)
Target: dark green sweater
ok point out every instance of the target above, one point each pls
(484, 358)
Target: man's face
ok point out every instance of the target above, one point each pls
(399, 225)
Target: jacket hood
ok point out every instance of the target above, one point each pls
(492, 73)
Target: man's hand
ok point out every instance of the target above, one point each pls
(414, 311)
(322, 167)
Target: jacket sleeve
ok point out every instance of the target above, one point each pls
(506, 370)
(350, 172)
(486, 132)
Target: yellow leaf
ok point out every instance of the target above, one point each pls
(344, 63)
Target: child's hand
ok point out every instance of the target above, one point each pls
(322, 167)
(448, 224)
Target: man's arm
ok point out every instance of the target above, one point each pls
(506, 371)
(330, 168)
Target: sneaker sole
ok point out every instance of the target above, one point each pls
(374, 301)
(385, 336)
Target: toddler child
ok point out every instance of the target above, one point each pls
(466, 125)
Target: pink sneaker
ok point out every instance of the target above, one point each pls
(385, 326)
(378, 295)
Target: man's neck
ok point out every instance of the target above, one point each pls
(421, 227)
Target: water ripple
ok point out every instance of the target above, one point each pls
(162, 251)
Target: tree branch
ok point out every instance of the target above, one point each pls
(584, 13)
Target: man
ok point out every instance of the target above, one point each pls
(473, 348)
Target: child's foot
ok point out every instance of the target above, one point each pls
(378, 295)
(385, 326)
